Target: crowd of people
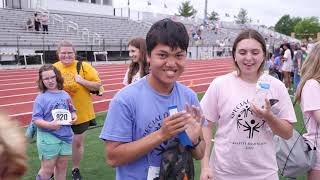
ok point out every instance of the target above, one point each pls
(285, 63)
(153, 111)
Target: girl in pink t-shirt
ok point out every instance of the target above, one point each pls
(308, 94)
(243, 144)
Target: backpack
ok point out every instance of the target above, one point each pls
(98, 93)
(92, 122)
(176, 163)
(296, 156)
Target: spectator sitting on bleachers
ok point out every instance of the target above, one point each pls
(195, 36)
(196, 32)
(29, 24)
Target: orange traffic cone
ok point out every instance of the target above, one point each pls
(185, 177)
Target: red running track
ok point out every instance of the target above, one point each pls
(18, 87)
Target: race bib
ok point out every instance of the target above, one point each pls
(153, 172)
(62, 116)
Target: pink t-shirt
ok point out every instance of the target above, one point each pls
(310, 101)
(243, 147)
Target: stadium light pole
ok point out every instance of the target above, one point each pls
(128, 9)
(206, 10)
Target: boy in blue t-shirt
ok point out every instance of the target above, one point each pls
(138, 125)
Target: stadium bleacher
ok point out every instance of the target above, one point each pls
(102, 33)
(111, 29)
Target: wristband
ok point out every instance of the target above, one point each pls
(195, 145)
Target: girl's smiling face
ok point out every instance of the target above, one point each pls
(249, 57)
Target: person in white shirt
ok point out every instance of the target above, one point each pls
(138, 66)
(287, 65)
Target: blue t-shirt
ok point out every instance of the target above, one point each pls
(277, 63)
(136, 111)
(45, 103)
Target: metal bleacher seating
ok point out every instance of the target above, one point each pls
(95, 33)
(86, 31)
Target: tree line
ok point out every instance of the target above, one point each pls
(302, 27)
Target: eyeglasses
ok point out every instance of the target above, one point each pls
(66, 53)
(49, 78)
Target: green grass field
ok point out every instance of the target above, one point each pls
(93, 166)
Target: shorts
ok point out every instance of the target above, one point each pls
(286, 67)
(50, 146)
(80, 128)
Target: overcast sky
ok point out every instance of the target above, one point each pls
(266, 12)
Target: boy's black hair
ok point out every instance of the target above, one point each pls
(167, 32)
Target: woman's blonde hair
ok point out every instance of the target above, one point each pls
(13, 158)
(65, 43)
(310, 69)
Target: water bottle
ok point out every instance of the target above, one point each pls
(262, 91)
(183, 136)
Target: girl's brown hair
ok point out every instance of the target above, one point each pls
(250, 34)
(59, 78)
(310, 69)
(142, 64)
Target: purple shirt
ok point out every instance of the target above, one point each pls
(44, 104)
